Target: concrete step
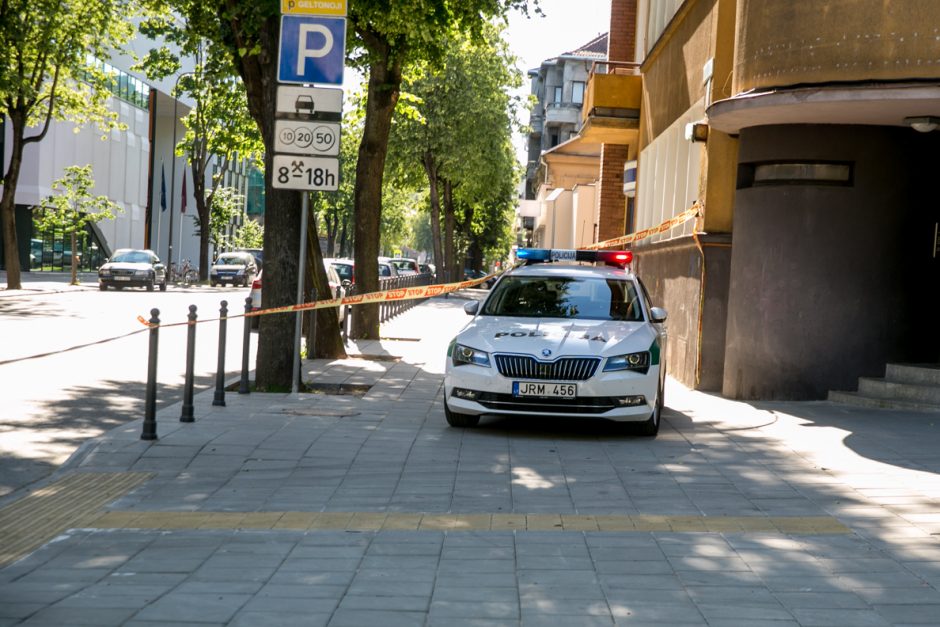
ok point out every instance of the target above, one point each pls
(919, 374)
(884, 388)
(860, 400)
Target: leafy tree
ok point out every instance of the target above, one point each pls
(226, 206)
(387, 37)
(45, 75)
(249, 235)
(71, 211)
(219, 129)
(457, 129)
(382, 37)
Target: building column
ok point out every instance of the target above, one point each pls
(613, 204)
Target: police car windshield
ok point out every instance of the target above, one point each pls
(564, 297)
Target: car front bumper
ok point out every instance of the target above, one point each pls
(608, 395)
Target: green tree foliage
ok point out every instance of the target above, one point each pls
(249, 235)
(74, 208)
(226, 206)
(219, 129)
(46, 75)
(456, 129)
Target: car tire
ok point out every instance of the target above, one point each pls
(163, 286)
(651, 427)
(460, 420)
(102, 286)
(213, 283)
(150, 285)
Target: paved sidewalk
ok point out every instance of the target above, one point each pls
(48, 282)
(364, 508)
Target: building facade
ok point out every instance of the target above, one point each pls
(134, 166)
(805, 132)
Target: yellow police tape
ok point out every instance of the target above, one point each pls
(692, 212)
(393, 295)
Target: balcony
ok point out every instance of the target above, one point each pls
(562, 113)
(611, 112)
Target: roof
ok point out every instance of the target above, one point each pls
(594, 49)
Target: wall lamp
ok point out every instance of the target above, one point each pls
(696, 131)
(923, 123)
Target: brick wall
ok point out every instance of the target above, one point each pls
(621, 44)
(613, 203)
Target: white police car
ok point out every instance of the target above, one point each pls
(560, 339)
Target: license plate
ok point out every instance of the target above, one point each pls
(122, 278)
(551, 390)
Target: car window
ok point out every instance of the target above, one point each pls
(132, 256)
(344, 270)
(564, 297)
(384, 270)
(231, 260)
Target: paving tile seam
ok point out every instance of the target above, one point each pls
(425, 521)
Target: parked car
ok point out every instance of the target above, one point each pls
(129, 267)
(470, 275)
(386, 269)
(237, 268)
(405, 266)
(427, 268)
(344, 268)
(555, 339)
(337, 290)
(257, 253)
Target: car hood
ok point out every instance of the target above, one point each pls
(126, 265)
(597, 338)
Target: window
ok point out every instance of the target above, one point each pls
(577, 92)
(794, 173)
(557, 99)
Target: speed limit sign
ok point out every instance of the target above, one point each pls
(306, 138)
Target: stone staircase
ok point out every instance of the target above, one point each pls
(904, 386)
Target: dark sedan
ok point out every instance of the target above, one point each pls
(132, 268)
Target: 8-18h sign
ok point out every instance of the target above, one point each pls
(313, 174)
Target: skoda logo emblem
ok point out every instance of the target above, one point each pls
(546, 352)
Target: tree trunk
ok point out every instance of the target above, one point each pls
(202, 210)
(74, 264)
(431, 168)
(453, 272)
(11, 251)
(384, 84)
(327, 343)
(275, 361)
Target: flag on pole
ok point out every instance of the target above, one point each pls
(162, 188)
(183, 203)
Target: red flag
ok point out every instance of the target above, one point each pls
(183, 203)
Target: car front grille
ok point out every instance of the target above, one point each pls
(581, 405)
(122, 272)
(564, 369)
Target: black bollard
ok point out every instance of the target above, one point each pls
(150, 401)
(219, 399)
(187, 415)
(246, 344)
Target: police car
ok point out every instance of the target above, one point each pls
(556, 337)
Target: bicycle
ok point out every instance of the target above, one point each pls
(187, 274)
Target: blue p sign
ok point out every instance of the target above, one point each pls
(313, 49)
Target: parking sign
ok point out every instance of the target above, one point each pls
(313, 49)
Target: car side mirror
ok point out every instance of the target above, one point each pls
(346, 283)
(471, 308)
(658, 314)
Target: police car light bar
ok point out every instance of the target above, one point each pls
(539, 255)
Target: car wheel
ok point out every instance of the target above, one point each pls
(102, 286)
(150, 285)
(213, 283)
(460, 420)
(163, 286)
(651, 427)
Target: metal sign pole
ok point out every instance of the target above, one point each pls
(295, 386)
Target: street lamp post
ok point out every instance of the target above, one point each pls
(169, 253)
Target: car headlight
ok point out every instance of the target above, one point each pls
(143, 273)
(104, 272)
(462, 355)
(240, 271)
(637, 362)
